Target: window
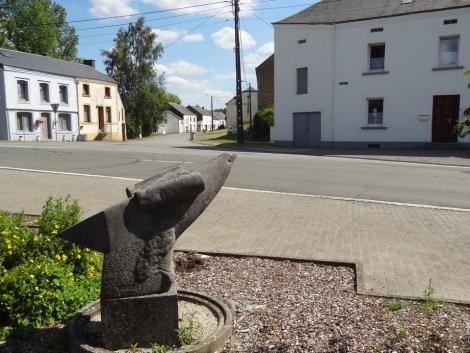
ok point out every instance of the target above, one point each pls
(376, 57)
(23, 94)
(64, 94)
(375, 111)
(302, 80)
(24, 121)
(449, 51)
(108, 114)
(86, 113)
(86, 90)
(44, 92)
(450, 22)
(65, 122)
(107, 92)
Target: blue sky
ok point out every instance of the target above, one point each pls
(198, 59)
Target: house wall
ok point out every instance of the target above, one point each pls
(171, 125)
(34, 106)
(190, 123)
(3, 115)
(265, 78)
(412, 51)
(231, 106)
(95, 99)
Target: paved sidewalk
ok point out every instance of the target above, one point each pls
(396, 249)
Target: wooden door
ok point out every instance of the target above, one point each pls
(100, 118)
(444, 118)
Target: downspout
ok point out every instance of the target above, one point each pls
(333, 101)
(78, 110)
(7, 112)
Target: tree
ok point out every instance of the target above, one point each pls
(38, 27)
(171, 98)
(463, 127)
(131, 63)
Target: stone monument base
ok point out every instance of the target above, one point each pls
(151, 318)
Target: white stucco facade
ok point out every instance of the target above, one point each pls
(172, 124)
(31, 118)
(340, 84)
(231, 108)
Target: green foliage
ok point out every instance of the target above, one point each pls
(397, 304)
(38, 27)
(190, 331)
(133, 348)
(261, 123)
(132, 64)
(171, 98)
(161, 348)
(43, 278)
(430, 302)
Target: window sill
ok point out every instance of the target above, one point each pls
(86, 95)
(24, 102)
(375, 72)
(370, 127)
(107, 97)
(448, 68)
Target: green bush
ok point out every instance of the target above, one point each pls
(262, 122)
(42, 277)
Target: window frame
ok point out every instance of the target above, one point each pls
(448, 37)
(369, 56)
(300, 91)
(108, 114)
(107, 90)
(369, 113)
(26, 120)
(61, 100)
(86, 117)
(87, 93)
(25, 91)
(68, 122)
(48, 92)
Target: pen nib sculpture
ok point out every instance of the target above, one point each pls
(137, 239)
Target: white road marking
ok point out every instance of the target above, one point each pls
(323, 197)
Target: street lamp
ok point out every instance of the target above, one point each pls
(212, 110)
(55, 108)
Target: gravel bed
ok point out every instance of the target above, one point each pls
(287, 307)
(284, 306)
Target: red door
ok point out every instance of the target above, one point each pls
(445, 116)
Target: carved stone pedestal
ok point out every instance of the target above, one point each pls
(143, 320)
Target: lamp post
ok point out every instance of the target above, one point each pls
(55, 108)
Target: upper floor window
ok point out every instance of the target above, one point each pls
(86, 90)
(107, 92)
(64, 94)
(375, 111)
(65, 122)
(108, 114)
(23, 93)
(449, 51)
(86, 113)
(44, 92)
(24, 121)
(376, 57)
(302, 80)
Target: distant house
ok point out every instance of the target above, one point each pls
(30, 83)
(188, 117)
(249, 107)
(204, 118)
(172, 124)
(219, 120)
(372, 73)
(265, 77)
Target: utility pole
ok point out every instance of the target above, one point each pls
(236, 8)
(249, 109)
(212, 112)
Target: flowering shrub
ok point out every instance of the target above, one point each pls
(42, 277)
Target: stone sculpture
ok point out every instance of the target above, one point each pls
(137, 239)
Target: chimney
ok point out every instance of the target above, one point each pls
(89, 62)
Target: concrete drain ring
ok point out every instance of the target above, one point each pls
(85, 336)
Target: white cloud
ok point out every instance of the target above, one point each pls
(105, 8)
(225, 38)
(232, 76)
(252, 60)
(219, 9)
(203, 87)
(181, 67)
(172, 35)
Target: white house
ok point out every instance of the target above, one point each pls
(219, 120)
(29, 87)
(188, 117)
(204, 118)
(372, 73)
(172, 124)
(249, 107)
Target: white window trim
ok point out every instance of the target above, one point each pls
(367, 112)
(23, 101)
(48, 92)
(369, 53)
(448, 36)
(68, 94)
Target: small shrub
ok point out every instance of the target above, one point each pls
(430, 302)
(190, 332)
(262, 122)
(397, 304)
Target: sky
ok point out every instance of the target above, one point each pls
(198, 37)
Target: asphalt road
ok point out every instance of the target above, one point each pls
(328, 176)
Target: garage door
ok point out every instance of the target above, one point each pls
(307, 129)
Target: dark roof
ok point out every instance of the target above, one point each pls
(219, 116)
(338, 11)
(268, 61)
(47, 64)
(199, 110)
(169, 114)
(179, 109)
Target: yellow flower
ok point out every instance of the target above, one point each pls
(15, 236)
(55, 231)
(57, 257)
(48, 239)
(9, 252)
(56, 226)
(36, 220)
(31, 276)
(79, 256)
(31, 260)
(36, 288)
(5, 232)
(40, 295)
(36, 238)
(70, 274)
(64, 258)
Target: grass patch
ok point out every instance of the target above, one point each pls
(398, 304)
(221, 139)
